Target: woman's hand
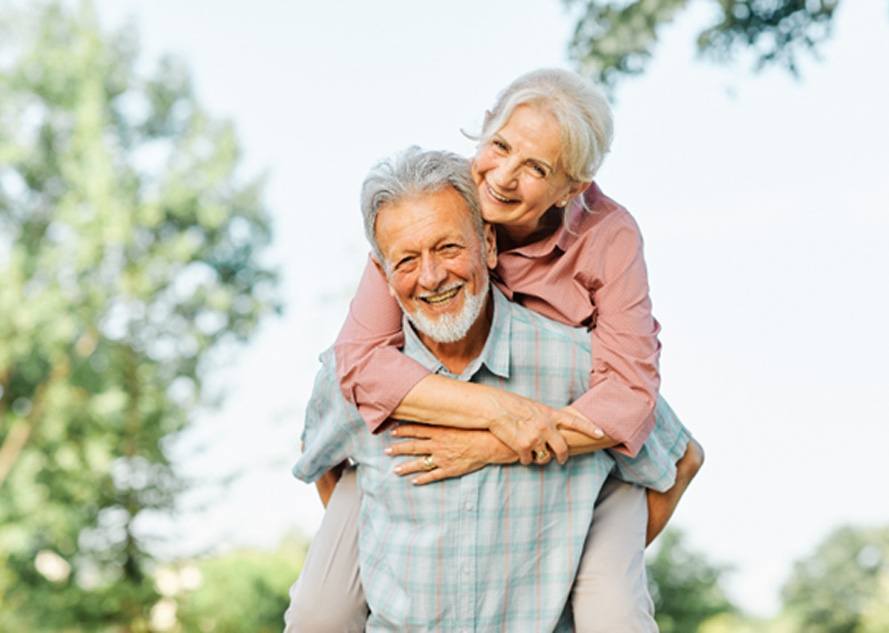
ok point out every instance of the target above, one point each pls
(528, 427)
(449, 451)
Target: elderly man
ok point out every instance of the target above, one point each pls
(497, 549)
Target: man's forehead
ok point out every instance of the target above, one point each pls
(423, 215)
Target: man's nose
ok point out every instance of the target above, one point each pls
(432, 273)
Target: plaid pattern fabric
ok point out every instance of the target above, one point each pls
(495, 550)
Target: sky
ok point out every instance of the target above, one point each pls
(763, 201)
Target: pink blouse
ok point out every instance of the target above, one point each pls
(589, 273)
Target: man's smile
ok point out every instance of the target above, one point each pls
(441, 297)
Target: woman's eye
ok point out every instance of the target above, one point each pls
(540, 171)
(499, 145)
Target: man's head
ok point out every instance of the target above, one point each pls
(422, 219)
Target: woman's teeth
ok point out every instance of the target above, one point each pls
(498, 197)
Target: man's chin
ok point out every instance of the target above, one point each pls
(449, 326)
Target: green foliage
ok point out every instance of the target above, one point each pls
(243, 591)
(130, 251)
(843, 587)
(613, 38)
(685, 586)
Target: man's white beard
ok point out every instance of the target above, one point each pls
(450, 328)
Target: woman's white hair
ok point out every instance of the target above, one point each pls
(580, 108)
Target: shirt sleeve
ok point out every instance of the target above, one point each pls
(372, 372)
(624, 380)
(330, 426)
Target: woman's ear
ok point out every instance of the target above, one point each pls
(490, 246)
(577, 188)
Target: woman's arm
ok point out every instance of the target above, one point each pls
(382, 382)
(457, 452)
(624, 380)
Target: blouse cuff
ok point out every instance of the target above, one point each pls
(627, 420)
(378, 397)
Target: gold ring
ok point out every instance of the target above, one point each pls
(540, 454)
(428, 463)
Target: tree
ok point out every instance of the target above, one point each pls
(614, 38)
(130, 258)
(685, 586)
(244, 590)
(844, 585)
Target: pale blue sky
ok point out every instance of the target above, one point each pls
(764, 203)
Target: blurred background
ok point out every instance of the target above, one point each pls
(179, 240)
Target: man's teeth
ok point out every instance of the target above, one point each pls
(444, 296)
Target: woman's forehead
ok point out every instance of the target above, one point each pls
(535, 130)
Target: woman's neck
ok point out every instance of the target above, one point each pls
(514, 237)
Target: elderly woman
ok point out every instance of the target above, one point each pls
(574, 255)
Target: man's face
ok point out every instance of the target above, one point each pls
(436, 264)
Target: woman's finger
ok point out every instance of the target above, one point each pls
(430, 476)
(558, 445)
(420, 431)
(411, 447)
(542, 455)
(570, 418)
(413, 466)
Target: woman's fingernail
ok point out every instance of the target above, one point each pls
(388, 451)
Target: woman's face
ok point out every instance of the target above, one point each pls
(518, 174)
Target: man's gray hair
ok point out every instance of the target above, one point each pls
(410, 173)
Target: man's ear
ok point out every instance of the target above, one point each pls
(382, 270)
(490, 246)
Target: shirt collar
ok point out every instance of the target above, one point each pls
(494, 355)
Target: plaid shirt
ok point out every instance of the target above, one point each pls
(494, 550)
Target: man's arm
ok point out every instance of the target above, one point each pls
(330, 430)
(327, 482)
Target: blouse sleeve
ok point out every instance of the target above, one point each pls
(624, 380)
(372, 372)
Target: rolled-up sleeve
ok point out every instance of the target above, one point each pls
(330, 426)
(624, 380)
(372, 372)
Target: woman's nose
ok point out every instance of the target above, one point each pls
(504, 175)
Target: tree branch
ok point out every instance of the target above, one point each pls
(21, 430)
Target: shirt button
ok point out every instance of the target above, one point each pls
(468, 506)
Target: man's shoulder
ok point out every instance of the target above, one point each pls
(529, 325)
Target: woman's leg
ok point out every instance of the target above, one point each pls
(661, 505)
(610, 592)
(327, 596)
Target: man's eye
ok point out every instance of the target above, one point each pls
(404, 262)
(451, 248)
